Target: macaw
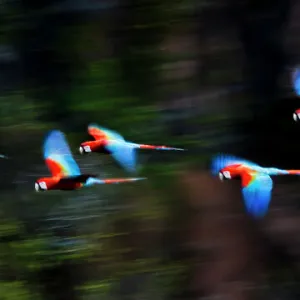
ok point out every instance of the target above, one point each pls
(255, 180)
(110, 142)
(66, 174)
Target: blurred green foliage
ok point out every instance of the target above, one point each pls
(106, 237)
(101, 250)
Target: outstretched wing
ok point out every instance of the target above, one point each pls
(98, 133)
(223, 160)
(58, 156)
(296, 81)
(257, 190)
(124, 153)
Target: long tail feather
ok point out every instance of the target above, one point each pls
(275, 171)
(92, 181)
(293, 172)
(154, 147)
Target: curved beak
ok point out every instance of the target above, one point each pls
(81, 151)
(295, 117)
(221, 176)
(36, 187)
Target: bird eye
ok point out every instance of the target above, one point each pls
(87, 149)
(43, 185)
(227, 174)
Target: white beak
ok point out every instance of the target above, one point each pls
(221, 176)
(81, 151)
(37, 187)
(295, 117)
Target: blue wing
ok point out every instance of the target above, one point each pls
(223, 160)
(257, 195)
(124, 153)
(58, 155)
(296, 81)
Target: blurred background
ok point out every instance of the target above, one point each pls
(209, 76)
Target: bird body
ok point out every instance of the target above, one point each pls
(255, 180)
(67, 183)
(66, 174)
(110, 142)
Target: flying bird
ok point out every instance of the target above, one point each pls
(256, 182)
(110, 142)
(296, 85)
(66, 174)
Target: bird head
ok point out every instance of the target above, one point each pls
(85, 148)
(296, 115)
(46, 183)
(40, 185)
(230, 172)
(224, 175)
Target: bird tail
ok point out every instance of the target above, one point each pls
(154, 147)
(92, 181)
(275, 171)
